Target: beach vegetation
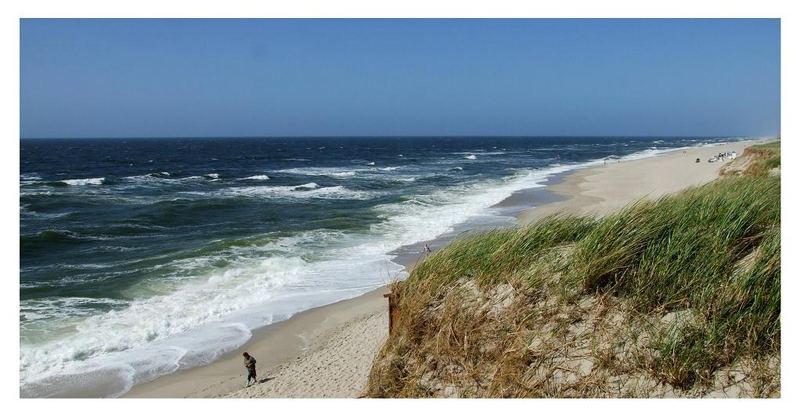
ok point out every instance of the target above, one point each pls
(673, 297)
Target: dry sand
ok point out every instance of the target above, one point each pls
(328, 351)
(338, 367)
(322, 352)
(603, 189)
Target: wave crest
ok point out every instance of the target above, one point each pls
(256, 178)
(83, 182)
(309, 190)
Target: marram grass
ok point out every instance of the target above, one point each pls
(713, 250)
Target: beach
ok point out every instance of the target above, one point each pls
(322, 352)
(328, 351)
(603, 189)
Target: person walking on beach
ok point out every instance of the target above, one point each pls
(250, 365)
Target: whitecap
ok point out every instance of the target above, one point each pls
(306, 186)
(82, 182)
(150, 177)
(305, 191)
(339, 172)
(256, 178)
(29, 177)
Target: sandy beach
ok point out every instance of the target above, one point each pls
(603, 189)
(328, 351)
(322, 352)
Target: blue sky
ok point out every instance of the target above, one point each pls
(164, 78)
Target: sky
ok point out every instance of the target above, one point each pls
(396, 77)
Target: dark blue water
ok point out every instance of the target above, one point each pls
(143, 256)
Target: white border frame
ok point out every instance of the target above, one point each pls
(9, 114)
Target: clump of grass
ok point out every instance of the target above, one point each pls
(711, 254)
(682, 253)
(493, 256)
(765, 157)
(487, 258)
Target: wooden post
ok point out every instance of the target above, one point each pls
(392, 310)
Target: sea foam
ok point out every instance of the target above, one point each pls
(82, 182)
(309, 190)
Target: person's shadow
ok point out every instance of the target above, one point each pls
(265, 379)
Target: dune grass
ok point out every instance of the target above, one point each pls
(712, 251)
(765, 157)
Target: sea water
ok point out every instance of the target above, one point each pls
(144, 256)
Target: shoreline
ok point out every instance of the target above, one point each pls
(600, 190)
(274, 346)
(327, 351)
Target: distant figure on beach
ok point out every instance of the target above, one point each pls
(427, 250)
(250, 365)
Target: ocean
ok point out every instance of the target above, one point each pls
(140, 257)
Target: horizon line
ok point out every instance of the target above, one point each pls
(394, 136)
